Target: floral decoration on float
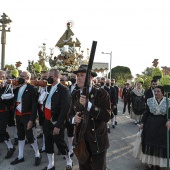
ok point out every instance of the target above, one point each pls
(157, 73)
(165, 81)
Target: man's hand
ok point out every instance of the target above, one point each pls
(141, 127)
(56, 131)
(1, 84)
(77, 118)
(168, 124)
(83, 100)
(29, 125)
(114, 107)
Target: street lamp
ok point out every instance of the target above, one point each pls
(4, 22)
(110, 62)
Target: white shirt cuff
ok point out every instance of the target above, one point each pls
(73, 121)
(89, 106)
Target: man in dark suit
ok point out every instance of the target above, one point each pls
(26, 112)
(102, 82)
(56, 107)
(150, 92)
(70, 128)
(113, 84)
(115, 111)
(126, 96)
(41, 91)
(4, 115)
(112, 92)
(98, 113)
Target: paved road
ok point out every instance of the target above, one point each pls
(119, 155)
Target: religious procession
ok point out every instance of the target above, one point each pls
(69, 111)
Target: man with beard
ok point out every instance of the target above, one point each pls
(150, 92)
(26, 112)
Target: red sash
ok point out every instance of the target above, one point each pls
(2, 111)
(47, 114)
(19, 113)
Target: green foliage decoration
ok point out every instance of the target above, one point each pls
(15, 73)
(37, 67)
(139, 79)
(157, 73)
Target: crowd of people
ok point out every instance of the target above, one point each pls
(63, 106)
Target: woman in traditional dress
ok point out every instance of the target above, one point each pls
(154, 135)
(138, 101)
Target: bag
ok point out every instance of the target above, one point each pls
(139, 103)
(137, 149)
(81, 152)
(7, 95)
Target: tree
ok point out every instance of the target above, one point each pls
(148, 71)
(121, 74)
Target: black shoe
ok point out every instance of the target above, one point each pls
(115, 122)
(40, 136)
(38, 160)
(16, 161)
(148, 168)
(41, 151)
(158, 168)
(15, 141)
(46, 168)
(113, 126)
(10, 152)
(72, 154)
(26, 142)
(108, 130)
(123, 113)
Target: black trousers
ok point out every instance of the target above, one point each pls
(115, 110)
(40, 116)
(125, 104)
(50, 139)
(22, 122)
(70, 129)
(11, 121)
(95, 162)
(4, 116)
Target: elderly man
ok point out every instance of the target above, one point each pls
(56, 107)
(94, 133)
(4, 115)
(26, 112)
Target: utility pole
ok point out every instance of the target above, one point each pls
(4, 21)
(110, 63)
